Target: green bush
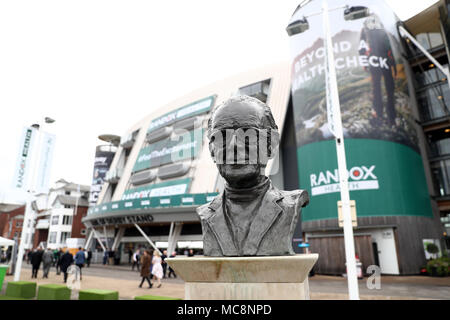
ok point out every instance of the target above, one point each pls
(432, 248)
(439, 267)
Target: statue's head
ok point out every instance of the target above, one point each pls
(243, 136)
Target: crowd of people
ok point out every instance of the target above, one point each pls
(59, 259)
(150, 263)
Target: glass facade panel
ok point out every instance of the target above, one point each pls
(430, 76)
(434, 101)
(441, 173)
(440, 147)
(430, 40)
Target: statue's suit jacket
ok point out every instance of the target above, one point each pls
(270, 231)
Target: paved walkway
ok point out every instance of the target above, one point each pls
(122, 279)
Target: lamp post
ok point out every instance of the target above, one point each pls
(29, 216)
(335, 126)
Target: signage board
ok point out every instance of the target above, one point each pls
(187, 111)
(169, 188)
(23, 171)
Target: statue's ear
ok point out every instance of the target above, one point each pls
(274, 143)
(211, 151)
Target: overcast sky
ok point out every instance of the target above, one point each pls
(100, 66)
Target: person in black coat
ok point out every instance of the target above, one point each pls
(89, 258)
(65, 262)
(36, 259)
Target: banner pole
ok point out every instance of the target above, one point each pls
(335, 109)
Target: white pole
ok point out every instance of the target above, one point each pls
(29, 216)
(352, 279)
(26, 219)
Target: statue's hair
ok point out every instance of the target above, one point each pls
(268, 117)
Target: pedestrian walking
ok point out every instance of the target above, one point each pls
(130, 255)
(135, 260)
(80, 259)
(64, 263)
(47, 261)
(36, 259)
(58, 261)
(29, 255)
(105, 257)
(146, 262)
(89, 258)
(173, 255)
(164, 263)
(157, 270)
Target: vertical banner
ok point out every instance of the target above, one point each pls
(102, 162)
(23, 171)
(46, 148)
(378, 124)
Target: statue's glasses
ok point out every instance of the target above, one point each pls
(247, 145)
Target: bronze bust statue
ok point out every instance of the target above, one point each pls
(250, 217)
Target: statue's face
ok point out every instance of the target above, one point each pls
(238, 131)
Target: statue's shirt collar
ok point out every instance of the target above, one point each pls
(247, 194)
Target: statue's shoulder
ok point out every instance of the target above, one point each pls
(206, 210)
(295, 197)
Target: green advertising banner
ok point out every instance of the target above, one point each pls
(385, 179)
(386, 171)
(170, 150)
(196, 199)
(169, 188)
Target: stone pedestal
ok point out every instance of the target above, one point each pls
(245, 278)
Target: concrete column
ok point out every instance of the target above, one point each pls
(118, 238)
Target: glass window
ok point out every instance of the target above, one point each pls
(259, 90)
(435, 39)
(440, 147)
(430, 40)
(64, 236)
(52, 237)
(434, 101)
(441, 173)
(55, 220)
(67, 220)
(422, 38)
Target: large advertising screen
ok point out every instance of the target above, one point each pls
(168, 150)
(102, 162)
(385, 167)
